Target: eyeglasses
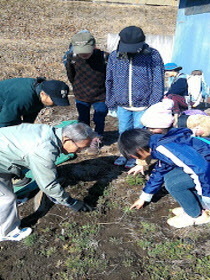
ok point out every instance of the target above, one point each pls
(79, 149)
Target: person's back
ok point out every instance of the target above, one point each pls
(12, 84)
(18, 95)
(21, 99)
(194, 87)
(18, 143)
(197, 88)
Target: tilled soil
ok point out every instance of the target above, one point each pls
(110, 243)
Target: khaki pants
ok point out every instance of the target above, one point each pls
(9, 219)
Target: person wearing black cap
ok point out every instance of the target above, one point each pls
(21, 99)
(134, 81)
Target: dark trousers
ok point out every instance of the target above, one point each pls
(100, 112)
(180, 103)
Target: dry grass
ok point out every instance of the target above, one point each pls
(35, 34)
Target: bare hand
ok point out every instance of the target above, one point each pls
(136, 169)
(138, 204)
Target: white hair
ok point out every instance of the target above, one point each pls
(78, 132)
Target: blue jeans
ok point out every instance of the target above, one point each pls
(181, 186)
(100, 112)
(128, 119)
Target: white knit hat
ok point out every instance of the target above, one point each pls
(159, 115)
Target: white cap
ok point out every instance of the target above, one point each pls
(159, 115)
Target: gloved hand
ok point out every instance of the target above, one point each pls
(206, 202)
(80, 206)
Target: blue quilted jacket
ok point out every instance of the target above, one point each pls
(137, 82)
(178, 148)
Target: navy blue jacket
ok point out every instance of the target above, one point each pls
(178, 148)
(134, 82)
(179, 86)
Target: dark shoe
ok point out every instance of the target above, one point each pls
(80, 206)
(22, 182)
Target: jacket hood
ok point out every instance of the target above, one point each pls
(173, 135)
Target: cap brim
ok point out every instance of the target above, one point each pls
(130, 48)
(83, 49)
(60, 101)
(174, 69)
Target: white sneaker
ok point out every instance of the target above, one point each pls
(17, 235)
(185, 220)
(178, 211)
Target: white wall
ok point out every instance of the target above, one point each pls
(164, 44)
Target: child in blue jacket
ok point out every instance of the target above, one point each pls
(182, 165)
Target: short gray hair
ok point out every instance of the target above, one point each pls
(78, 132)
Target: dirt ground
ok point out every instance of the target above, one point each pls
(112, 242)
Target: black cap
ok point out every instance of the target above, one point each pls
(132, 39)
(57, 90)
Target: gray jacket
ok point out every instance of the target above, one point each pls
(34, 146)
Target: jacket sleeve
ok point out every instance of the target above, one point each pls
(154, 184)
(202, 146)
(110, 98)
(157, 90)
(42, 165)
(70, 69)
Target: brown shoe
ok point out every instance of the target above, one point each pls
(94, 146)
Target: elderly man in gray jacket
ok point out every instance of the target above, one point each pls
(36, 146)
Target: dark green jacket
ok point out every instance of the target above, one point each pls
(19, 101)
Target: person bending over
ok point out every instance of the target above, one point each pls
(182, 165)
